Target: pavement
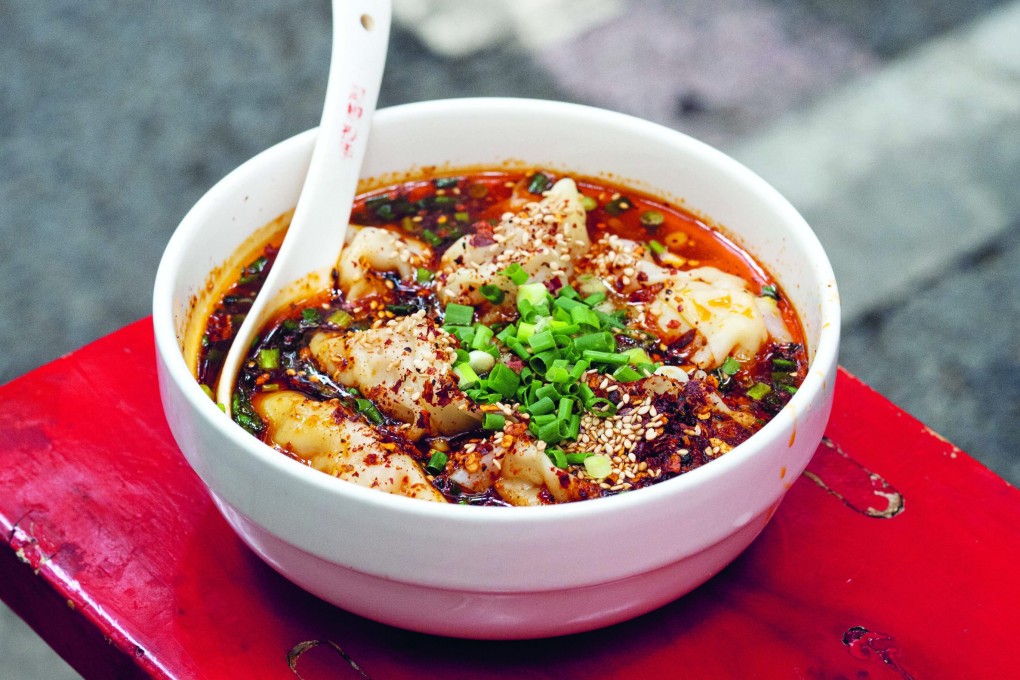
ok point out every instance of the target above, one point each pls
(893, 126)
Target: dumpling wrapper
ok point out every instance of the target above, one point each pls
(405, 367)
(371, 250)
(336, 441)
(544, 238)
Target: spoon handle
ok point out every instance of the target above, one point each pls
(355, 74)
(319, 225)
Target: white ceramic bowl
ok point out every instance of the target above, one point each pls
(491, 572)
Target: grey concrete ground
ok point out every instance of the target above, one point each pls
(894, 125)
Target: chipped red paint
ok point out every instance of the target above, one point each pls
(116, 555)
(860, 489)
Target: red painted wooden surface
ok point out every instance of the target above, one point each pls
(115, 554)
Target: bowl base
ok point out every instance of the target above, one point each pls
(491, 615)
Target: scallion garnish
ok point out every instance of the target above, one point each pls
(618, 205)
(538, 183)
(493, 294)
(467, 377)
(422, 275)
(758, 390)
(558, 458)
(369, 410)
(730, 366)
(652, 218)
(656, 247)
(446, 182)
(770, 291)
(598, 466)
(431, 237)
(269, 358)
(437, 462)
(493, 421)
(310, 315)
(340, 318)
(515, 273)
(458, 315)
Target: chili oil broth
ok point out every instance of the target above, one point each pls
(438, 212)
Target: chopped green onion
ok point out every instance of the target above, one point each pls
(518, 348)
(542, 341)
(538, 183)
(730, 366)
(502, 379)
(516, 273)
(616, 319)
(605, 357)
(482, 338)
(525, 330)
(577, 458)
(422, 275)
(598, 466)
(492, 293)
(458, 315)
(550, 432)
(770, 291)
(269, 358)
(637, 355)
(431, 237)
(481, 361)
(594, 299)
(466, 334)
(437, 462)
(310, 315)
(445, 182)
(601, 407)
(369, 410)
(558, 458)
(626, 374)
(535, 293)
(758, 390)
(656, 247)
(618, 205)
(541, 407)
(588, 203)
(493, 421)
(461, 216)
(466, 376)
(600, 342)
(565, 409)
(557, 374)
(253, 269)
(652, 218)
(401, 310)
(783, 364)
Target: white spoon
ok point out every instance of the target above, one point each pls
(309, 252)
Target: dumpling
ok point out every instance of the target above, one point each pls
(334, 440)
(544, 239)
(528, 477)
(718, 305)
(728, 318)
(372, 250)
(405, 367)
(518, 469)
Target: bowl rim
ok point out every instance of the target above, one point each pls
(822, 362)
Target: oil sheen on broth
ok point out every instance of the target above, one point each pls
(516, 338)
